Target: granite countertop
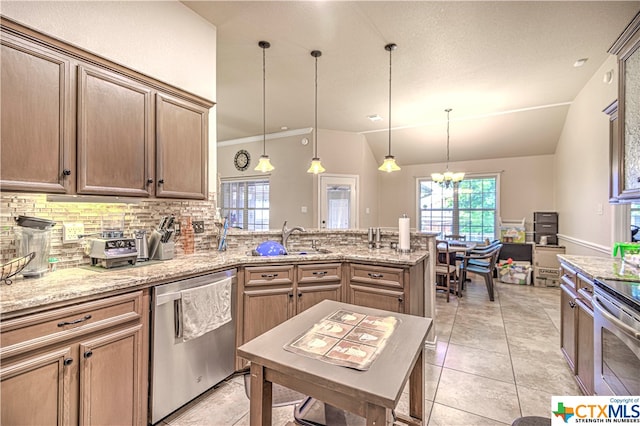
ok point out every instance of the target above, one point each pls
(603, 267)
(85, 283)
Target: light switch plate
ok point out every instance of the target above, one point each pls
(72, 232)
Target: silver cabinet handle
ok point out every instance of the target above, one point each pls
(269, 276)
(320, 273)
(376, 276)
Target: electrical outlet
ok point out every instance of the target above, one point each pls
(72, 232)
(198, 226)
(176, 228)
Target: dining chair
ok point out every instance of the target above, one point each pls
(446, 271)
(482, 263)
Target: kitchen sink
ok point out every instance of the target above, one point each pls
(296, 252)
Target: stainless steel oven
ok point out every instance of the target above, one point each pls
(616, 318)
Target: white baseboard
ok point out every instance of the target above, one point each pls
(587, 244)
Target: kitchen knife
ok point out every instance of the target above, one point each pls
(170, 222)
(163, 222)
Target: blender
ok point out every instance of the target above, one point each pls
(34, 235)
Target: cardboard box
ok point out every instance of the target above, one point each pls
(546, 282)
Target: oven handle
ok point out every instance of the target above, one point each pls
(622, 326)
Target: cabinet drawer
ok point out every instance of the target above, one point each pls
(319, 273)
(268, 275)
(545, 217)
(46, 328)
(377, 275)
(569, 276)
(584, 286)
(545, 228)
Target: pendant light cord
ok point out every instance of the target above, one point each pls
(390, 48)
(264, 102)
(315, 139)
(448, 110)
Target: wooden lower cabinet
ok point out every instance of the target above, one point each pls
(271, 294)
(584, 357)
(317, 282)
(576, 326)
(37, 390)
(396, 289)
(85, 364)
(568, 325)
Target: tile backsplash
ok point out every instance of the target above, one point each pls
(143, 214)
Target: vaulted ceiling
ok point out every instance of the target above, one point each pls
(504, 67)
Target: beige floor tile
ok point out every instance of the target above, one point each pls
(224, 405)
(484, 397)
(483, 363)
(488, 339)
(534, 402)
(550, 374)
(435, 356)
(441, 415)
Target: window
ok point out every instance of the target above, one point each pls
(246, 203)
(635, 214)
(635, 222)
(469, 209)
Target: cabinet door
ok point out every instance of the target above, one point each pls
(114, 135)
(36, 126)
(264, 309)
(307, 296)
(111, 379)
(584, 353)
(36, 390)
(567, 325)
(627, 48)
(376, 297)
(181, 143)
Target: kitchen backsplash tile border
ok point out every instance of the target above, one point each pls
(142, 214)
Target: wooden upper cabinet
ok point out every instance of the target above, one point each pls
(627, 48)
(127, 133)
(114, 134)
(36, 126)
(181, 144)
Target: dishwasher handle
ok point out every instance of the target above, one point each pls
(177, 317)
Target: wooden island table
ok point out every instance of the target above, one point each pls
(371, 394)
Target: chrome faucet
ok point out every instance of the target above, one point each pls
(287, 232)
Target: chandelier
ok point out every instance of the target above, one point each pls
(447, 178)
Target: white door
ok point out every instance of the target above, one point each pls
(338, 204)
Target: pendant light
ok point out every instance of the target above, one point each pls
(316, 165)
(389, 165)
(447, 178)
(264, 164)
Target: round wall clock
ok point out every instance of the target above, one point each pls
(242, 160)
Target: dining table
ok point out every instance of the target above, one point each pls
(371, 393)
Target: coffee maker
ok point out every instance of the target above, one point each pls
(34, 235)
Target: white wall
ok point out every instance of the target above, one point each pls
(163, 39)
(526, 185)
(291, 187)
(582, 159)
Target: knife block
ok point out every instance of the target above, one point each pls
(166, 251)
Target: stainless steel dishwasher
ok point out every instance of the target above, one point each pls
(181, 370)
